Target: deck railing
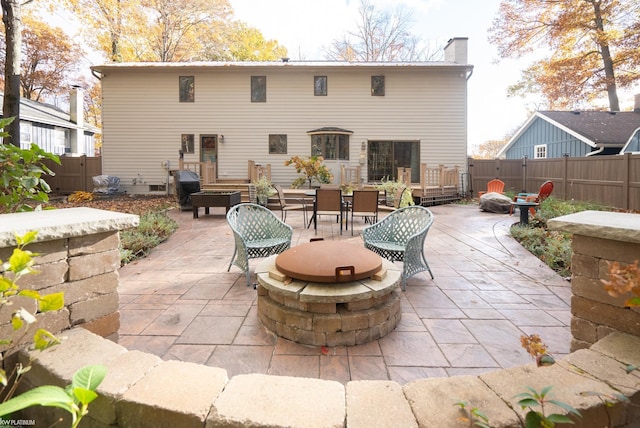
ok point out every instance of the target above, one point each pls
(205, 170)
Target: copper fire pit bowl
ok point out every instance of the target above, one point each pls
(328, 261)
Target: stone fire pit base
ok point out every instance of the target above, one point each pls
(329, 314)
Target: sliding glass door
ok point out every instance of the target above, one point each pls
(385, 157)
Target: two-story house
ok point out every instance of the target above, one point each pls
(379, 116)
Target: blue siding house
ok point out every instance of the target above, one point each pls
(554, 134)
(53, 129)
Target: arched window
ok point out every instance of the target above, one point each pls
(330, 143)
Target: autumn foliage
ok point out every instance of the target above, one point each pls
(311, 168)
(592, 45)
(624, 280)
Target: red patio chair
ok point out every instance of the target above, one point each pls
(543, 193)
(494, 185)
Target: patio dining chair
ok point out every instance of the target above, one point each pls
(400, 236)
(328, 202)
(364, 204)
(257, 232)
(298, 204)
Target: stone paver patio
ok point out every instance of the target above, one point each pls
(181, 303)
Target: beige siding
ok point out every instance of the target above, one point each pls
(143, 120)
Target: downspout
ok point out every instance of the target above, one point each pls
(96, 74)
(595, 152)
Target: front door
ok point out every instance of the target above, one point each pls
(209, 148)
(385, 157)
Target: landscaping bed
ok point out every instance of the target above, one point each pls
(122, 202)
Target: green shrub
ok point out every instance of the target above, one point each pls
(552, 247)
(22, 187)
(154, 228)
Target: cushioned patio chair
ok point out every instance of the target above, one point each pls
(400, 236)
(495, 185)
(258, 232)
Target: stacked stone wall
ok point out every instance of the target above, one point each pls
(599, 239)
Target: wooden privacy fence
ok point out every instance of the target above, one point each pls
(73, 174)
(607, 180)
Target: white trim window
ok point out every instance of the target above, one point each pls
(330, 146)
(26, 136)
(540, 151)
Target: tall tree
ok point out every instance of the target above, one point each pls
(245, 43)
(11, 17)
(489, 149)
(161, 30)
(48, 59)
(380, 35)
(594, 47)
(176, 27)
(109, 26)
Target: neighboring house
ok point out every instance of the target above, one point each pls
(554, 134)
(55, 130)
(380, 116)
(633, 146)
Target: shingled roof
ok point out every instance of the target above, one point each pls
(47, 114)
(601, 128)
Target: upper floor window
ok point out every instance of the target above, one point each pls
(540, 151)
(330, 146)
(320, 85)
(258, 89)
(187, 87)
(377, 86)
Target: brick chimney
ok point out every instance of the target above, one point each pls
(636, 103)
(456, 50)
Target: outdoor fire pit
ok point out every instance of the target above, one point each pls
(328, 293)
